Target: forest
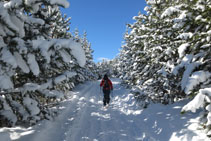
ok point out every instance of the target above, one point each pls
(165, 58)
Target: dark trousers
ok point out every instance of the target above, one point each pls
(106, 98)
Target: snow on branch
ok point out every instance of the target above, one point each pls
(185, 61)
(5, 82)
(195, 79)
(198, 101)
(76, 49)
(169, 11)
(189, 69)
(182, 48)
(63, 3)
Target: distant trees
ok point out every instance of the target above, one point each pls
(40, 60)
(90, 69)
(166, 54)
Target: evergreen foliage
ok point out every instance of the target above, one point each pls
(105, 67)
(39, 60)
(166, 55)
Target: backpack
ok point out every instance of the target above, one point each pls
(106, 85)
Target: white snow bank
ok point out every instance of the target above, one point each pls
(5, 136)
(82, 117)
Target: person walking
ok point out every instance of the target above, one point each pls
(107, 88)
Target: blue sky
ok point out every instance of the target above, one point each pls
(105, 22)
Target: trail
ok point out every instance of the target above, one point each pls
(83, 118)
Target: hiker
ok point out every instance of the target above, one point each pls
(107, 88)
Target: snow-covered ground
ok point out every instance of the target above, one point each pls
(83, 118)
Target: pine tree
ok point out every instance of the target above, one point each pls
(167, 53)
(35, 65)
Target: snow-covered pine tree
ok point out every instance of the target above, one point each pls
(125, 58)
(90, 67)
(195, 27)
(105, 67)
(77, 38)
(89, 71)
(32, 63)
(160, 46)
(177, 51)
(159, 32)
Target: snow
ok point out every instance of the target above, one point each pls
(185, 61)
(185, 36)
(64, 76)
(31, 105)
(76, 49)
(13, 4)
(19, 24)
(8, 58)
(188, 70)
(7, 112)
(199, 101)
(195, 104)
(163, 72)
(70, 74)
(151, 2)
(169, 11)
(195, 79)
(2, 44)
(63, 3)
(21, 63)
(65, 56)
(34, 67)
(182, 48)
(59, 79)
(82, 117)
(206, 46)
(5, 136)
(5, 82)
(201, 7)
(52, 94)
(7, 19)
(30, 87)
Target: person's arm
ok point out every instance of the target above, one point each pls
(111, 85)
(102, 82)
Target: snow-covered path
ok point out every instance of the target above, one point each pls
(83, 118)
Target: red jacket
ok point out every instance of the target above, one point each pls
(109, 82)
